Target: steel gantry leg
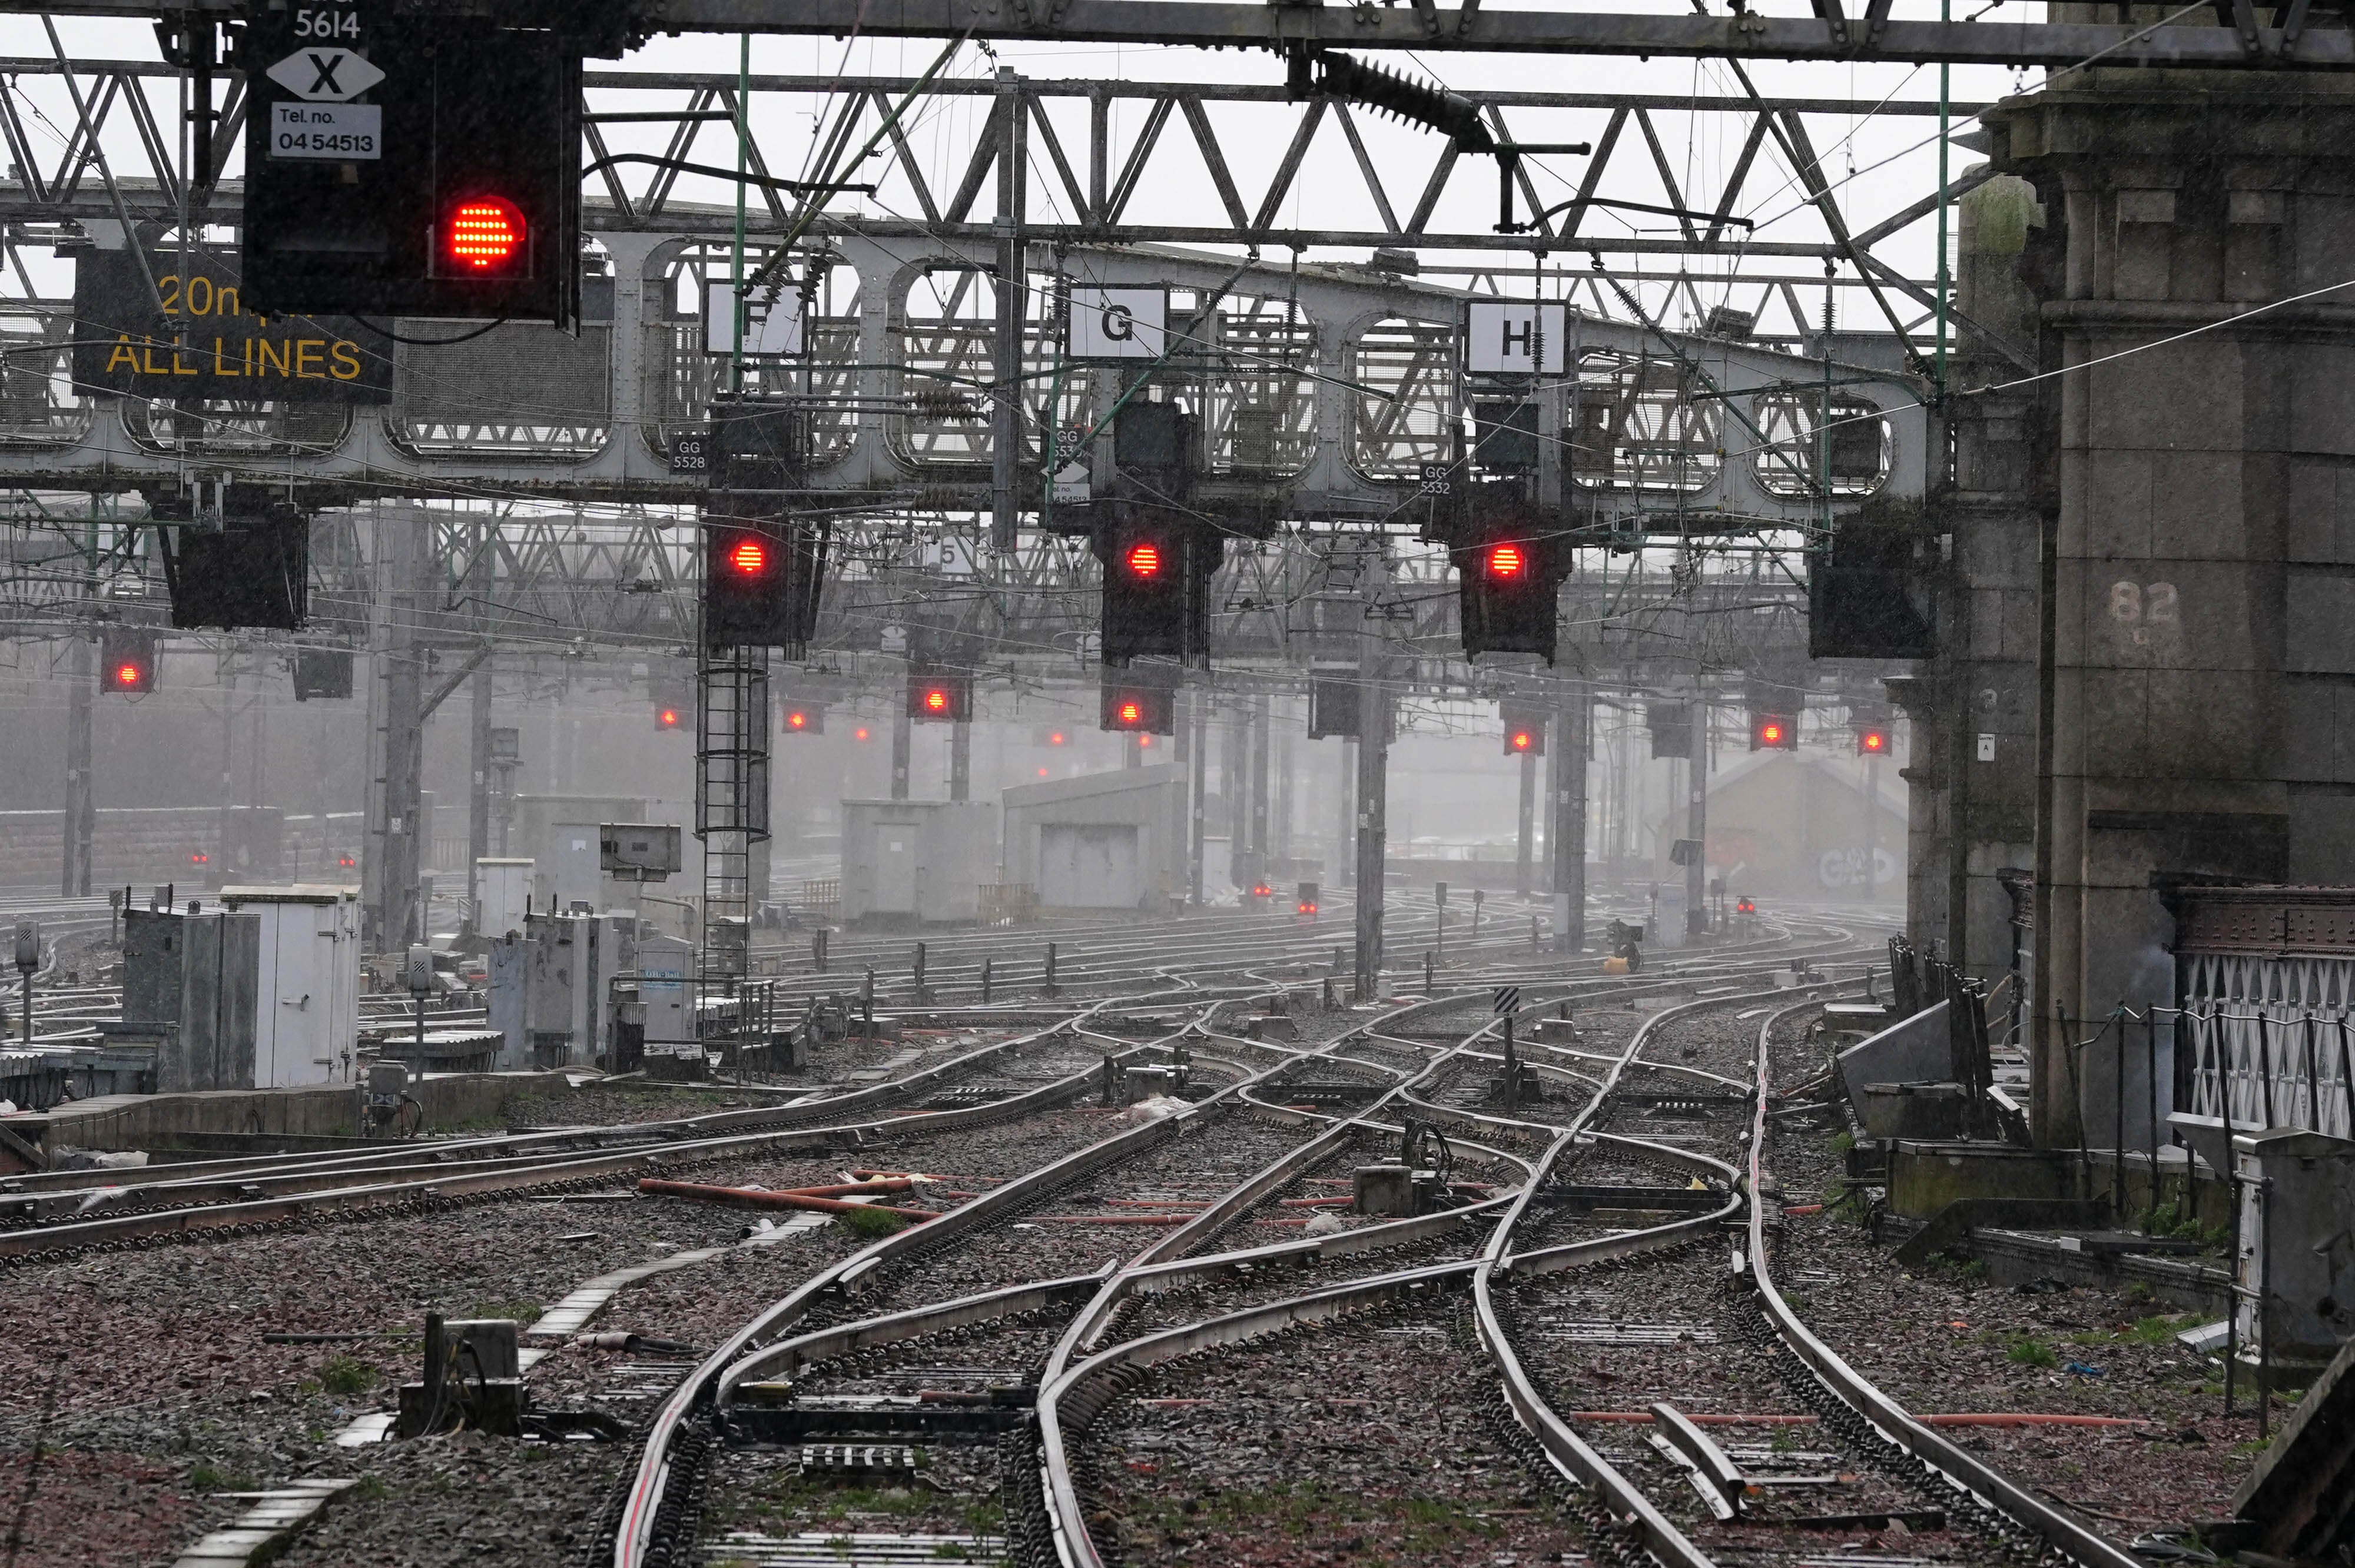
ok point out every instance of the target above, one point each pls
(82, 813)
(478, 799)
(732, 802)
(403, 541)
(1373, 831)
(1194, 739)
(1373, 764)
(1566, 838)
(1696, 825)
(1522, 851)
(1259, 821)
(902, 740)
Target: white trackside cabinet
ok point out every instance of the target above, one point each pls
(307, 1000)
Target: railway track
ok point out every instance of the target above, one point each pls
(1040, 1272)
(1687, 1498)
(655, 1519)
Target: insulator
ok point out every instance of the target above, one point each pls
(1407, 98)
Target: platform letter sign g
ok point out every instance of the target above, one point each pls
(1117, 323)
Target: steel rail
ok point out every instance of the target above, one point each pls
(1561, 1443)
(1959, 1468)
(750, 1348)
(1064, 1376)
(45, 1240)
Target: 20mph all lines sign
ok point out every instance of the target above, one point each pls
(205, 343)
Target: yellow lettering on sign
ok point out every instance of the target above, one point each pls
(200, 307)
(226, 304)
(220, 368)
(273, 357)
(167, 293)
(180, 369)
(147, 358)
(249, 356)
(306, 356)
(347, 363)
(122, 354)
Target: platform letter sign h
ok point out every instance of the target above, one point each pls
(1516, 338)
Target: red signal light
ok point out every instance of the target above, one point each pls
(859, 734)
(1145, 560)
(1130, 713)
(129, 675)
(200, 858)
(1506, 561)
(486, 235)
(1056, 738)
(1872, 742)
(936, 700)
(1522, 740)
(1308, 909)
(1260, 890)
(1772, 733)
(346, 860)
(748, 556)
(797, 721)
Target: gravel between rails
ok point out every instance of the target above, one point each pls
(1379, 1439)
(149, 1362)
(760, 1486)
(1942, 1340)
(1211, 1158)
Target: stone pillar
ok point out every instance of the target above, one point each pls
(2198, 652)
(1970, 767)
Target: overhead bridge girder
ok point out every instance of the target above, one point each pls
(1323, 393)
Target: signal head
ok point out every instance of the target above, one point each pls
(1507, 562)
(1522, 740)
(1144, 559)
(748, 556)
(1872, 742)
(666, 718)
(485, 238)
(936, 700)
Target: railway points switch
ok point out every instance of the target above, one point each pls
(473, 1379)
(1397, 1191)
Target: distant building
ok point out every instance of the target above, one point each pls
(1796, 824)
